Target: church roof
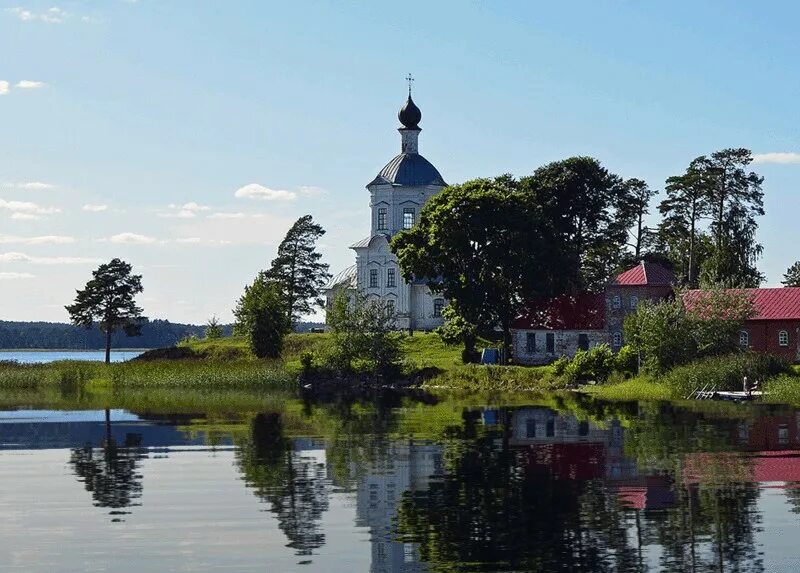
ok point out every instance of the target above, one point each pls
(363, 243)
(347, 278)
(409, 169)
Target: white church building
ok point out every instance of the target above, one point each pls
(397, 195)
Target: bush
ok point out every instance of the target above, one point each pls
(724, 372)
(627, 361)
(593, 364)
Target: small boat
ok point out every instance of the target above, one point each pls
(736, 396)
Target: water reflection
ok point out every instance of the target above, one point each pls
(561, 486)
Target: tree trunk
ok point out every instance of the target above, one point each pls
(108, 346)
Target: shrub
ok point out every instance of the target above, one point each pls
(560, 365)
(593, 364)
(627, 360)
(724, 372)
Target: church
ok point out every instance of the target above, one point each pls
(397, 195)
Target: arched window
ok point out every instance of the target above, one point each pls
(744, 338)
(616, 301)
(617, 339)
(634, 302)
(783, 338)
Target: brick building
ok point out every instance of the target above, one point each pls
(775, 328)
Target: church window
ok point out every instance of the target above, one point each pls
(783, 338)
(616, 301)
(617, 339)
(583, 341)
(744, 338)
(408, 217)
(373, 278)
(381, 218)
(634, 302)
(438, 306)
(530, 342)
(390, 307)
(391, 281)
(550, 341)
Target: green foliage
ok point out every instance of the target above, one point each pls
(456, 330)
(595, 364)
(363, 330)
(213, 329)
(261, 316)
(108, 299)
(715, 187)
(791, 277)
(298, 268)
(635, 208)
(475, 239)
(626, 360)
(661, 334)
(716, 315)
(723, 372)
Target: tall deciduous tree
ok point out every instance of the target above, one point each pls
(478, 244)
(585, 205)
(298, 268)
(261, 316)
(791, 277)
(108, 299)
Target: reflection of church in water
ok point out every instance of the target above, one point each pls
(404, 467)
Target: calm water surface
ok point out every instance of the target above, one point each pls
(39, 356)
(554, 485)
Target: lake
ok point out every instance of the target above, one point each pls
(547, 484)
(40, 356)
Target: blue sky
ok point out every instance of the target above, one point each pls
(127, 127)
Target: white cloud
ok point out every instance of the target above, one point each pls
(95, 208)
(256, 191)
(185, 211)
(23, 258)
(42, 240)
(26, 217)
(132, 239)
(52, 15)
(26, 209)
(30, 185)
(3, 87)
(222, 215)
(783, 157)
(9, 276)
(29, 85)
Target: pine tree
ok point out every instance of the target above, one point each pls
(108, 299)
(298, 268)
(792, 276)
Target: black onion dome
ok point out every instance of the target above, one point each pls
(410, 115)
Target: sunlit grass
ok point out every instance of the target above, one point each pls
(639, 388)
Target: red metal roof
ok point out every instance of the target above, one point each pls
(770, 303)
(585, 311)
(645, 274)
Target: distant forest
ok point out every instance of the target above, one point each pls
(56, 335)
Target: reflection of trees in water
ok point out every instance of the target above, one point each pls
(292, 484)
(110, 473)
(494, 511)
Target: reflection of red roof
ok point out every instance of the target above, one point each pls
(583, 312)
(645, 274)
(728, 466)
(770, 303)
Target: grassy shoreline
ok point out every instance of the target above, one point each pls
(228, 365)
